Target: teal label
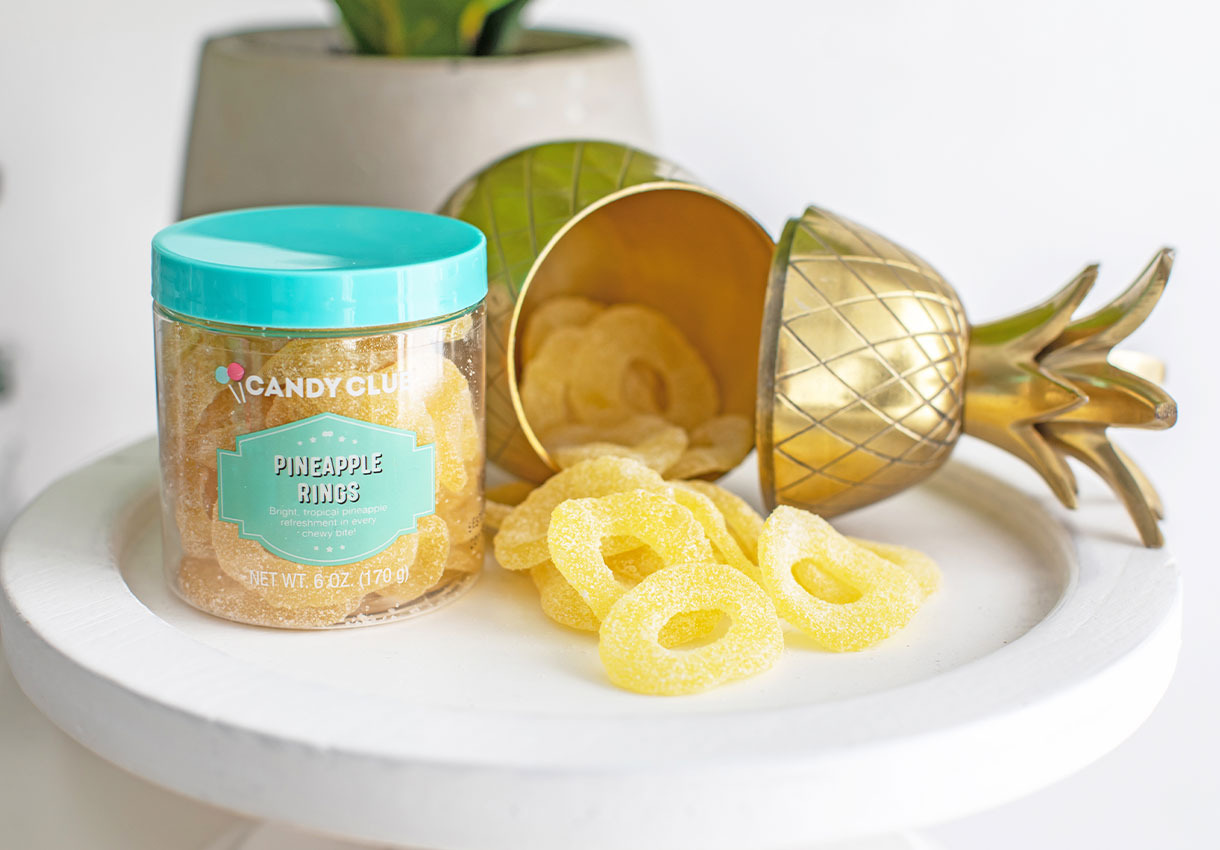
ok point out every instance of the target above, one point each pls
(327, 490)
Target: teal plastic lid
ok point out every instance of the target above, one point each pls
(319, 267)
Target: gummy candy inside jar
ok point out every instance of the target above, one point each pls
(320, 408)
(635, 333)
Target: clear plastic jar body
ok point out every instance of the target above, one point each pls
(315, 479)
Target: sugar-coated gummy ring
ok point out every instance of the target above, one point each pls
(920, 567)
(715, 446)
(743, 522)
(521, 541)
(559, 312)
(886, 596)
(428, 566)
(560, 601)
(634, 657)
(632, 333)
(545, 380)
(578, 527)
(658, 451)
(564, 605)
(726, 547)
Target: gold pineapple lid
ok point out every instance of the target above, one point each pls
(853, 355)
(869, 372)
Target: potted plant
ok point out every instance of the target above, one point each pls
(398, 106)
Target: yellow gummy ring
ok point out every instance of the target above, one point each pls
(743, 522)
(555, 313)
(545, 380)
(887, 597)
(727, 549)
(716, 446)
(429, 564)
(628, 334)
(521, 540)
(578, 527)
(564, 605)
(458, 435)
(824, 586)
(920, 567)
(658, 450)
(560, 601)
(636, 660)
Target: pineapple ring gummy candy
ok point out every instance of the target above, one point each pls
(643, 388)
(629, 333)
(647, 438)
(451, 407)
(555, 313)
(717, 445)
(578, 527)
(463, 509)
(743, 521)
(204, 584)
(545, 381)
(634, 429)
(494, 514)
(564, 605)
(194, 383)
(457, 330)
(462, 513)
(635, 658)
(824, 586)
(632, 564)
(501, 500)
(727, 549)
(521, 542)
(429, 564)
(658, 451)
(887, 596)
(920, 567)
(560, 601)
(193, 494)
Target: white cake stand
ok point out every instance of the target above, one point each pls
(484, 726)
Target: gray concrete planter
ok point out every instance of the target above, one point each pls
(288, 116)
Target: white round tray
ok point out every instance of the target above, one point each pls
(484, 725)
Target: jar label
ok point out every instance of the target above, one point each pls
(327, 490)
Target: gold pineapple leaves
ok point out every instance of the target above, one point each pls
(1116, 397)
(1041, 386)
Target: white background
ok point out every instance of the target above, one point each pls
(1007, 143)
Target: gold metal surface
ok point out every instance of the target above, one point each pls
(867, 370)
(1075, 357)
(861, 371)
(614, 224)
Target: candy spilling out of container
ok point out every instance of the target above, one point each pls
(848, 358)
(321, 399)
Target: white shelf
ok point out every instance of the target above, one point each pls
(484, 725)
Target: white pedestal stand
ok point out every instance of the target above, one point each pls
(483, 726)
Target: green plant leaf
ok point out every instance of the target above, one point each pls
(421, 27)
(502, 32)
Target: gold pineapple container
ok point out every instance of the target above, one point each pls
(617, 225)
(852, 355)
